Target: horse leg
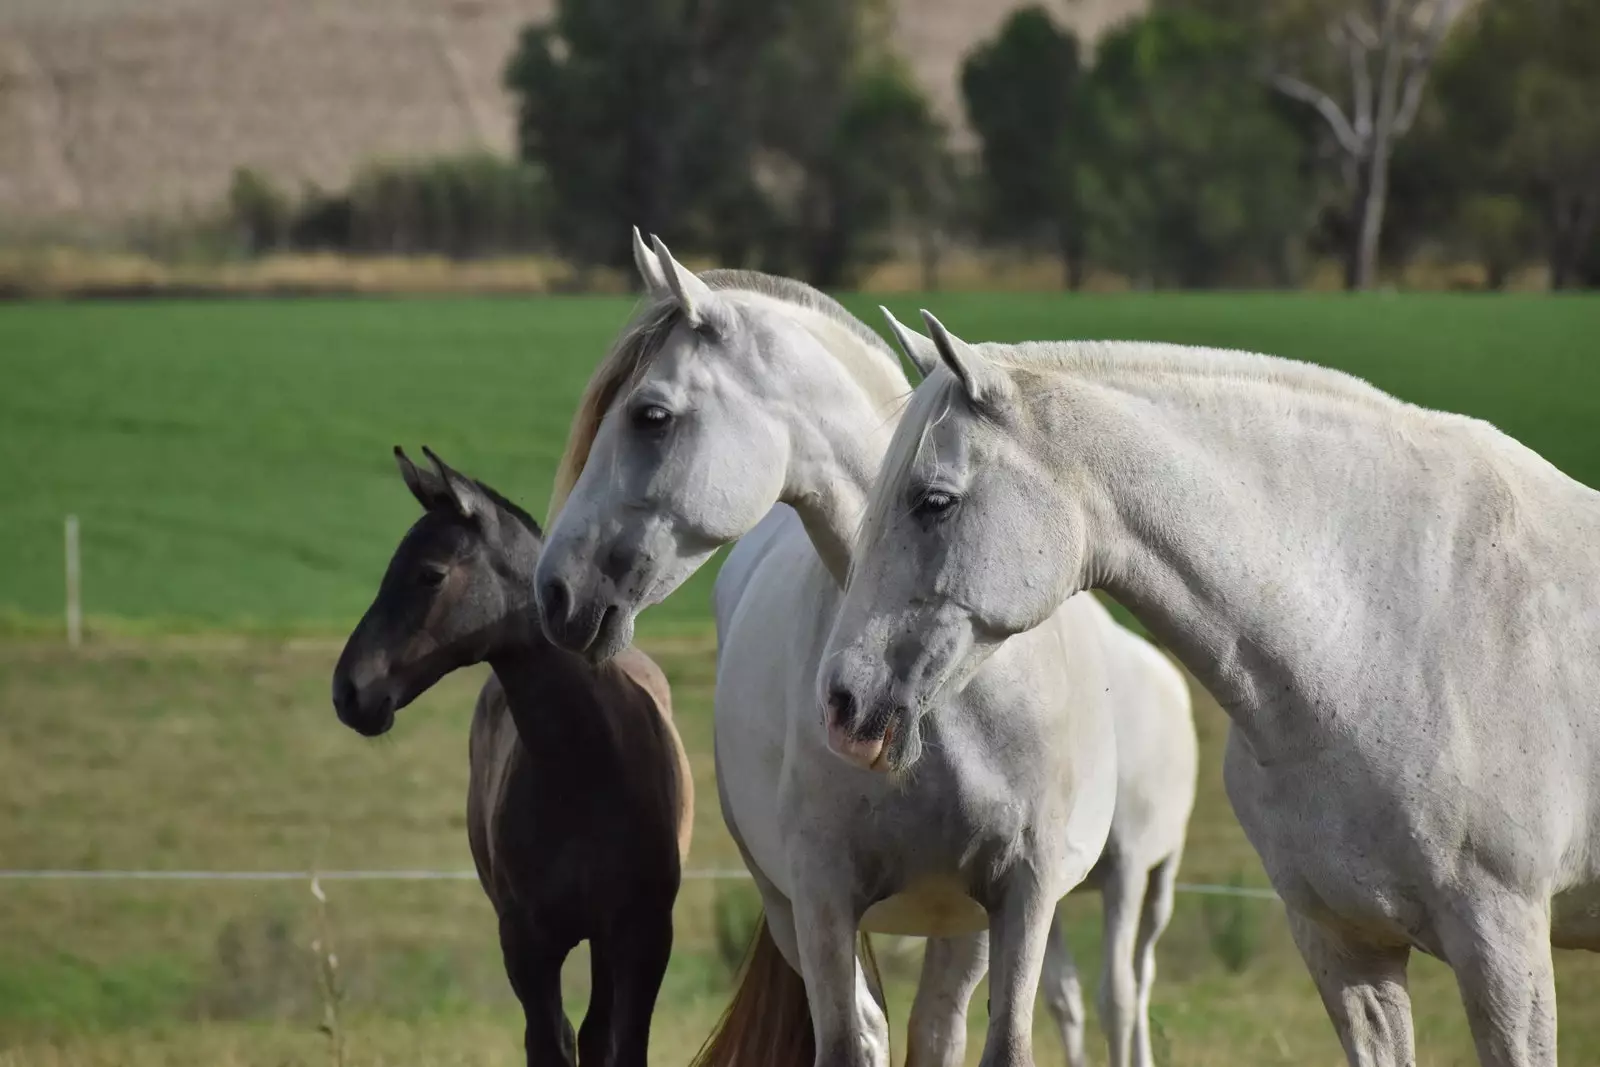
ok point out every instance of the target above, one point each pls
(850, 1027)
(952, 967)
(595, 1037)
(1122, 901)
(1018, 929)
(631, 960)
(1158, 899)
(533, 966)
(1363, 988)
(1500, 951)
(1063, 994)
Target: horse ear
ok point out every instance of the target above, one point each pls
(462, 494)
(655, 281)
(416, 480)
(986, 385)
(918, 349)
(701, 306)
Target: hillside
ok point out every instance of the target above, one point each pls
(111, 109)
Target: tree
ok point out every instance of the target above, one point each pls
(886, 161)
(259, 210)
(1021, 95)
(641, 112)
(1520, 93)
(1362, 66)
(1188, 176)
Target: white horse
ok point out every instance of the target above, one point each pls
(1398, 608)
(727, 395)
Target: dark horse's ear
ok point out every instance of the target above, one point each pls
(460, 491)
(423, 485)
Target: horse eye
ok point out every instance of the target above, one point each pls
(935, 502)
(431, 576)
(651, 417)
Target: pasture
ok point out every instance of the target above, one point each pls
(230, 464)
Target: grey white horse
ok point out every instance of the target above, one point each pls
(1398, 608)
(731, 393)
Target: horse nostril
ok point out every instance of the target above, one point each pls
(344, 695)
(554, 600)
(841, 706)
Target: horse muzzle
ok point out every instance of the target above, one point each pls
(861, 734)
(369, 713)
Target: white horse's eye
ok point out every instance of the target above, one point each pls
(651, 417)
(935, 502)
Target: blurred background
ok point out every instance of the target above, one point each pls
(246, 248)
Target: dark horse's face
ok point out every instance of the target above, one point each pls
(459, 585)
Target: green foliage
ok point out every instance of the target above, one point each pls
(260, 210)
(1233, 928)
(1022, 98)
(642, 112)
(458, 206)
(1189, 175)
(885, 163)
(1519, 90)
(779, 133)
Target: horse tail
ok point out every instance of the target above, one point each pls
(769, 1019)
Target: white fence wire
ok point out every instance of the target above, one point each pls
(704, 874)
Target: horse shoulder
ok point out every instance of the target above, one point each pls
(648, 676)
(493, 746)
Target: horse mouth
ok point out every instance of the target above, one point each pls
(376, 726)
(868, 753)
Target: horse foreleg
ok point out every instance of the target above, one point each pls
(850, 1027)
(533, 966)
(952, 967)
(1018, 930)
(1063, 994)
(1158, 900)
(630, 963)
(1500, 952)
(1363, 987)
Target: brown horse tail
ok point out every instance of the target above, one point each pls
(769, 1021)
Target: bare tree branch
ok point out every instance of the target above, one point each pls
(1360, 29)
(1326, 106)
(1425, 51)
(1359, 54)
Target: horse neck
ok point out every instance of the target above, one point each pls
(551, 698)
(1276, 543)
(840, 403)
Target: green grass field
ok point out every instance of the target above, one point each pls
(230, 463)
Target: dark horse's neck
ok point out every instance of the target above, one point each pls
(552, 697)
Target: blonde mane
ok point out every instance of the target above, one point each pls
(641, 341)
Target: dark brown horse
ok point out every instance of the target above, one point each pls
(580, 801)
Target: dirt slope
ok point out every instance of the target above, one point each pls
(118, 108)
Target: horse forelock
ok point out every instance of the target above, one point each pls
(645, 335)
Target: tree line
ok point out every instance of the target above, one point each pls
(1206, 143)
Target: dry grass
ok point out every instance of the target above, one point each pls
(62, 271)
(226, 755)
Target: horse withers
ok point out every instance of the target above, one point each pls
(580, 800)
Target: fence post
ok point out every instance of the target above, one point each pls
(74, 583)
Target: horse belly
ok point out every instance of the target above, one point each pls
(937, 906)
